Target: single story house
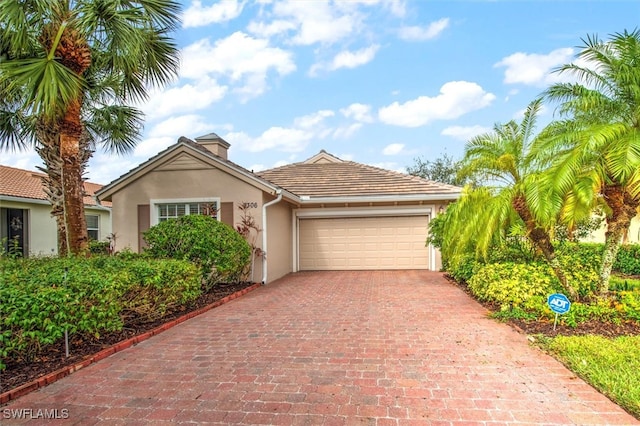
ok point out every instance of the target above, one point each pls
(323, 213)
(25, 213)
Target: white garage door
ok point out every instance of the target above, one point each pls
(363, 243)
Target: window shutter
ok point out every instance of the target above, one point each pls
(226, 213)
(144, 223)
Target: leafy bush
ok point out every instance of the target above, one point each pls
(218, 249)
(99, 247)
(629, 304)
(628, 260)
(513, 285)
(462, 268)
(41, 298)
(601, 310)
(623, 284)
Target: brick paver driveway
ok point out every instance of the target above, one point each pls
(333, 348)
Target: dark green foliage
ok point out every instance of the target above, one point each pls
(443, 169)
(436, 231)
(628, 260)
(42, 297)
(218, 249)
(99, 247)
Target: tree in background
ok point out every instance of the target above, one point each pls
(598, 148)
(69, 73)
(443, 169)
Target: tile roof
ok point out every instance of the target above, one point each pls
(28, 184)
(338, 178)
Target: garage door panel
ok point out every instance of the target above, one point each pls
(363, 243)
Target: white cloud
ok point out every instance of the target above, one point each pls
(286, 139)
(389, 165)
(309, 22)
(278, 138)
(429, 32)
(534, 69)
(456, 98)
(393, 149)
(464, 133)
(347, 59)
(188, 97)
(167, 132)
(313, 120)
(275, 27)
(345, 132)
(197, 16)
(244, 60)
(358, 112)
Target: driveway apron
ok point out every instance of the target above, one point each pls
(330, 348)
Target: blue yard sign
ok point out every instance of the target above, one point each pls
(558, 304)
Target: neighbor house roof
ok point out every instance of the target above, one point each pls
(325, 176)
(27, 184)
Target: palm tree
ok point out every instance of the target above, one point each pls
(69, 71)
(600, 146)
(502, 158)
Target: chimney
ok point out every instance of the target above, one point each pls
(215, 144)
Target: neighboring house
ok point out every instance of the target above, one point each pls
(320, 214)
(25, 213)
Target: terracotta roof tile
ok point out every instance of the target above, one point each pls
(348, 178)
(28, 184)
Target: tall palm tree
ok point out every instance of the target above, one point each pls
(516, 196)
(69, 72)
(601, 143)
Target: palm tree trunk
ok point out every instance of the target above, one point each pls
(623, 209)
(542, 240)
(49, 152)
(72, 183)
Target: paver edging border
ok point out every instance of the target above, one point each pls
(54, 376)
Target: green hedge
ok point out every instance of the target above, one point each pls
(628, 260)
(43, 297)
(220, 250)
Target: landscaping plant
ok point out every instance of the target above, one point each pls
(220, 252)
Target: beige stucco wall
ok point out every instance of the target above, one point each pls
(279, 239)
(42, 234)
(207, 182)
(176, 184)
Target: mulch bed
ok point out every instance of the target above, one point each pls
(52, 358)
(545, 328)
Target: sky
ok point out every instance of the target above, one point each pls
(380, 82)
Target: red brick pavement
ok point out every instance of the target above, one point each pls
(330, 348)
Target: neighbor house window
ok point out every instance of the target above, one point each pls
(93, 226)
(171, 209)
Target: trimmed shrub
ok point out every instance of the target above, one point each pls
(628, 260)
(43, 297)
(514, 285)
(218, 249)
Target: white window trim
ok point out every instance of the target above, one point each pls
(153, 209)
(96, 229)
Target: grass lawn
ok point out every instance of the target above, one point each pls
(610, 365)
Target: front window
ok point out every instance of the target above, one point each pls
(171, 209)
(93, 226)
